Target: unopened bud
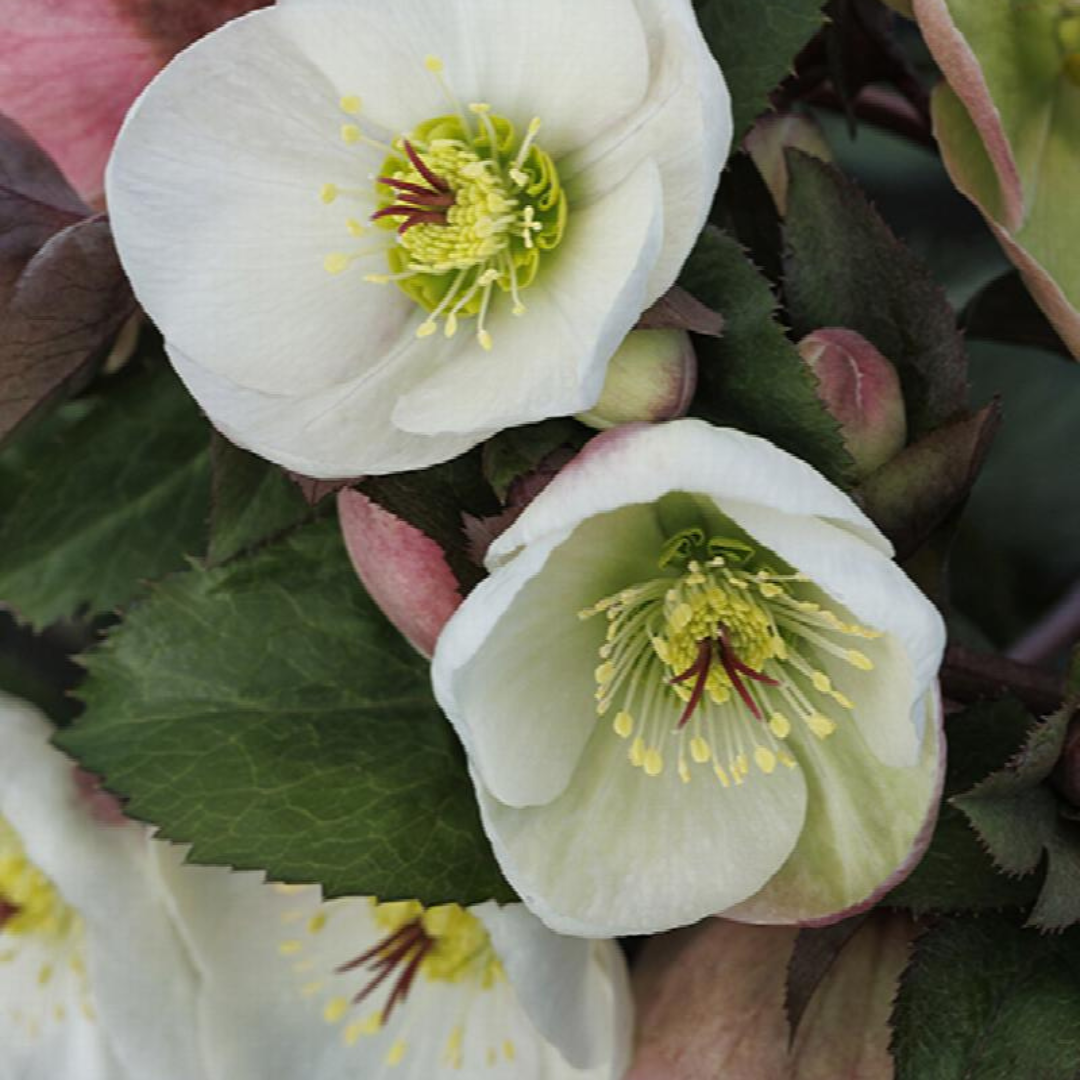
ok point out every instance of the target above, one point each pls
(652, 377)
(404, 571)
(1066, 775)
(770, 137)
(862, 391)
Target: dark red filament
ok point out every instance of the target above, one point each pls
(7, 911)
(417, 204)
(404, 951)
(735, 668)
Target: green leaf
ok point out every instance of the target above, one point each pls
(846, 268)
(984, 1000)
(517, 451)
(252, 501)
(912, 495)
(753, 378)
(956, 873)
(1016, 815)
(266, 713)
(435, 500)
(756, 42)
(119, 496)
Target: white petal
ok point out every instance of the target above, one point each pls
(878, 593)
(641, 463)
(492, 671)
(575, 992)
(867, 826)
(344, 431)
(214, 196)
(578, 67)
(620, 852)
(146, 1007)
(551, 361)
(684, 124)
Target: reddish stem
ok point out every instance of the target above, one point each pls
(436, 182)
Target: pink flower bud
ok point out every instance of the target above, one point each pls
(404, 571)
(862, 390)
(652, 377)
(770, 137)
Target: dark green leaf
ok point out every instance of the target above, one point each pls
(984, 1000)
(63, 295)
(517, 451)
(845, 268)
(753, 378)
(756, 42)
(252, 501)
(435, 500)
(266, 713)
(119, 496)
(912, 495)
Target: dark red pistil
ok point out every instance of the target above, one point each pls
(402, 951)
(7, 912)
(417, 204)
(736, 670)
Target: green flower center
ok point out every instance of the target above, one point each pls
(471, 208)
(719, 636)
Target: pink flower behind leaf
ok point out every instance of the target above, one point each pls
(404, 571)
(70, 69)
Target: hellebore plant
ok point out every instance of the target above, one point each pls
(373, 235)
(746, 718)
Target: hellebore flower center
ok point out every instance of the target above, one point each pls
(444, 944)
(464, 207)
(719, 655)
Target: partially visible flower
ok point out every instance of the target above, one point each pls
(404, 571)
(78, 902)
(652, 377)
(1009, 129)
(374, 234)
(695, 682)
(862, 391)
(771, 137)
(381, 989)
(70, 69)
(711, 1003)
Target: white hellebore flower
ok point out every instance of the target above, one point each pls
(397, 990)
(374, 233)
(117, 961)
(94, 981)
(696, 683)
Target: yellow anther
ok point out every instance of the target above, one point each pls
(741, 764)
(434, 65)
(316, 923)
(859, 660)
(480, 108)
(509, 1050)
(371, 1024)
(426, 329)
(485, 339)
(336, 262)
(820, 725)
(350, 133)
(450, 329)
(335, 1009)
(765, 759)
(699, 750)
(821, 682)
(684, 771)
(721, 775)
(605, 672)
(680, 618)
(396, 1053)
(653, 763)
(842, 700)
(350, 105)
(351, 1035)
(779, 725)
(769, 590)
(328, 193)
(290, 948)
(355, 228)
(637, 752)
(624, 724)
(786, 759)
